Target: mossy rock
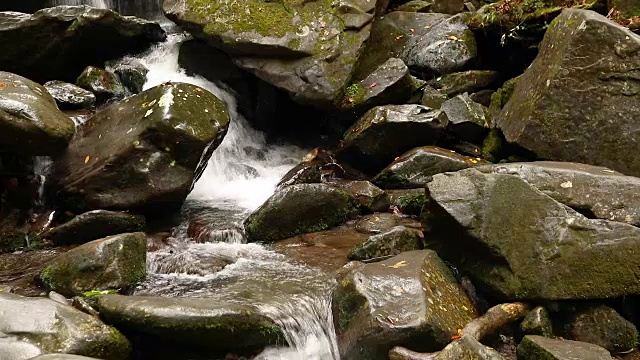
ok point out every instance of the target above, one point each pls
(535, 347)
(408, 201)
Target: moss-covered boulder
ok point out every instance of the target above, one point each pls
(537, 322)
(114, 263)
(94, 225)
(192, 322)
(57, 43)
(104, 84)
(30, 121)
(144, 153)
(416, 167)
(432, 97)
(306, 208)
(518, 243)
(391, 242)
(535, 347)
(410, 300)
(69, 96)
(556, 108)
(308, 48)
(385, 132)
(600, 325)
(34, 326)
(468, 120)
(407, 201)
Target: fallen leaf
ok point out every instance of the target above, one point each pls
(398, 37)
(86, 160)
(374, 85)
(453, 37)
(399, 265)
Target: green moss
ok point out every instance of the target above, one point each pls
(355, 93)
(493, 147)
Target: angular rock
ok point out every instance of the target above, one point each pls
(104, 84)
(386, 132)
(412, 299)
(537, 322)
(596, 191)
(376, 223)
(416, 167)
(415, 6)
(144, 153)
(468, 348)
(94, 225)
(368, 195)
(529, 246)
(307, 48)
(447, 6)
(69, 96)
(432, 98)
(555, 110)
(30, 121)
(535, 347)
(468, 120)
(192, 321)
(59, 42)
(602, 326)
(33, 326)
(468, 81)
(114, 263)
(408, 201)
(307, 208)
(132, 73)
(391, 242)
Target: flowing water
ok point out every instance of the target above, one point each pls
(149, 9)
(207, 255)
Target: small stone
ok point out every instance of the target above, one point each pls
(468, 120)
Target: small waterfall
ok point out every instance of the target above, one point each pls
(41, 167)
(148, 9)
(100, 4)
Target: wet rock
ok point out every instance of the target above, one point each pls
(603, 326)
(386, 132)
(468, 120)
(307, 172)
(104, 84)
(69, 96)
(407, 201)
(448, 6)
(416, 167)
(468, 348)
(307, 208)
(537, 322)
(415, 6)
(432, 98)
(494, 146)
(114, 263)
(53, 43)
(30, 121)
(132, 73)
(144, 153)
(529, 247)
(33, 326)
(466, 82)
(368, 195)
(307, 48)
(62, 357)
(376, 223)
(557, 114)
(94, 225)
(192, 321)
(482, 97)
(535, 347)
(391, 242)
(412, 299)
(592, 190)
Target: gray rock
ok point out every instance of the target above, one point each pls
(30, 121)
(468, 120)
(411, 299)
(376, 223)
(433, 98)
(537, 322)
(114, 263)
(69, 96)
(368, 195)
(448, 6)
(94, 225)
(415, 6)
(104, 84)
(408, 201)
(132, 73)
(33, 326)
(386, 132)
(555, 110)
(468, 348)
(535, 347)
(466, 82)
(391, 242)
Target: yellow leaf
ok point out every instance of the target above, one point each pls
(452, 37)
(399, 265)
(86, 160)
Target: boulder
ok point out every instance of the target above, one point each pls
(518, 243)
(307, 48)
(144, 153)
(307, 208)
(407, 201)
(385, 132)
(447, 6)
(104, 84)
(376, 223)
(416, 167)
(94, 225)
(368, 195)
(193, 322)
(33, 326)
(535, 347)
(468, 120)
(58, 42)
(410, 300)
(592, 190)
(132, 73)
(391, 242)
(114, 263)
(467, 348)
(69, 96)
(466, 82)
(432, 97)
(30, 121)
(556, 110)
(537, 322)
(415, 6)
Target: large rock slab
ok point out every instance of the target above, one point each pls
(410, 300)
(306, 208)
(57, 43)
(30, 121)
(144, 153)
(94, 225)
(576, 102)
(33, 326)
(518, 243)
(192, 321)
(535, 347)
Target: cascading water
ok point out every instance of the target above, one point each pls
(150, 9)
(207, 255)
